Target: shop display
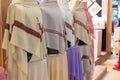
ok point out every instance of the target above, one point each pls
(44, 38)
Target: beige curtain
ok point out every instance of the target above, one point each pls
(3, 10)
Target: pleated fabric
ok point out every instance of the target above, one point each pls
(58, 67)
(75, 69)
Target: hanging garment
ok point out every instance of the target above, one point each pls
(75, 71)
(89, 20)
(88, 66)
(23, 35)
(64, 5)
(80, 22)
(90, 29)
(58, 67)
(53, 22)
(38, 70)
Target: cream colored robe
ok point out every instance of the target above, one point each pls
(23, 34)
(80, 22)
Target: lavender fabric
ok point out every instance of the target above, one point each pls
(38, 1)
(74, 63)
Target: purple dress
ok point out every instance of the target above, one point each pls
(74, 63)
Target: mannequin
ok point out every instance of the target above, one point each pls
(83, 37)
(80, 20)
(64, 5)
(53, 22)
(24, 41)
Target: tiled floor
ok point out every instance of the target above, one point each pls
(111, 74)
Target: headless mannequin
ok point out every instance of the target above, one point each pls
(64, 5)
(53, 22)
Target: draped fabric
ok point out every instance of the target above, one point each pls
(84, 33)
(53, 22)
(80, 22)
(91, 29)
(58, 67)
(89, 20)
(88, 65)
(38, 70)
(23, 34)
(75, 71)
(64, 5)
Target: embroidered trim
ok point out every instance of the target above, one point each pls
(69, 26)
(55, 32)
(27, 29)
